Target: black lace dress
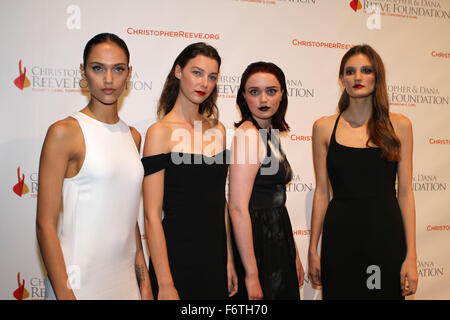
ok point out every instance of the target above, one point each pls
(273, 239)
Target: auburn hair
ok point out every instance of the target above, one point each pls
(278, 119)
(381, 132)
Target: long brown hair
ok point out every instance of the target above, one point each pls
(381, 132)
(171, 87)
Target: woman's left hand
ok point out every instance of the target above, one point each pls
(232, 279)
(409, 277)
(300, 271)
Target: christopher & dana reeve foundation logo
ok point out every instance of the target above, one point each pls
(67, 80)
(21, 293)
(355, 5)
(21, 187)
(428, 182)
(36, 285)
(413, 9)
(413, 95)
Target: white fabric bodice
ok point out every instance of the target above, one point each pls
(100, 211)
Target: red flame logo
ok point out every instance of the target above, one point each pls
(355, 5)
(20, 187)
(21, 293)
(22, 81)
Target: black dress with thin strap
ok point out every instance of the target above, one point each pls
(193, 222)
(363, 241)
(273, 240)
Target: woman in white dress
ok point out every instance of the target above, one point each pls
(90, 166)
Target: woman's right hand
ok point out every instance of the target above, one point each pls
(253, 286)
(314, 268)
(168, 293)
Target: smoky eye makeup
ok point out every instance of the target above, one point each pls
(349, 71)
(366, 70)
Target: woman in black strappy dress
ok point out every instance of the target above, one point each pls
(368, 242)
(185, 172)
(267, 260)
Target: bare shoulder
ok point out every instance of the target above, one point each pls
(323, 126)
(64, 138)
(400, 120)
(325, 122)
(158, 130)
(402, 125)
(64, 130)
(247, 126)
(219, 125)
(157, 138)
(213, 124)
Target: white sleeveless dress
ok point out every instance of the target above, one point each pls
(100, 211)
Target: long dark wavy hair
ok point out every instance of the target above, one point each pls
(278, 121)
(207, 108)
(381, 132)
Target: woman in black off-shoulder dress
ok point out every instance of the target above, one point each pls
(185, 164)
(194, 223)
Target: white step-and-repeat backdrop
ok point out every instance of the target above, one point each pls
(42, 45)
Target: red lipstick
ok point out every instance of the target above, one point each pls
(358, 86)
(200, 93)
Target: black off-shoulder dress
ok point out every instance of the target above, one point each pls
(193, 222)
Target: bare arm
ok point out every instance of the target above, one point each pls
(242, 177)
(141, 269)
(55, 156)
(409, 276)
(140, 265)
(231, 271)
(153, 188)
(219, 133)
(321, 195)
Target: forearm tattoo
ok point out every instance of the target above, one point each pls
(140, 273)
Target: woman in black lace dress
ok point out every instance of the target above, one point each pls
(267, 261)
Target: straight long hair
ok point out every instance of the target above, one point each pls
(381, 132)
